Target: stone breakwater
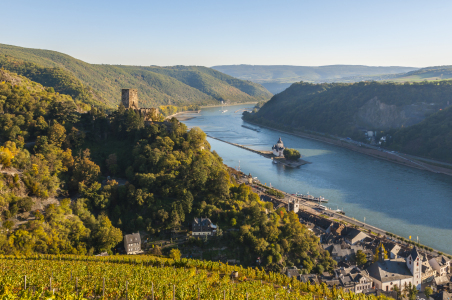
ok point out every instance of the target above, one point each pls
(268, 154)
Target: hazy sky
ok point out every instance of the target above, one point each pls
(215, 32)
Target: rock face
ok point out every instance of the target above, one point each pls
(378, 115)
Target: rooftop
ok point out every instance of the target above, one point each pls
(389, 270)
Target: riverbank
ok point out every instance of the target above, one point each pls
(388, 156)
(183, 112)
(268, 154)
(230, 104)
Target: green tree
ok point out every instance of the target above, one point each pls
(105, 235)
(233, 222)
(428, 291)
(377, 253)
(291, 154)
(85, 170)
(396, 289)
(361, 258)
(175, 254)
(156, 250)
(57, 134)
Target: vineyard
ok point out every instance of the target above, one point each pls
(147, 277)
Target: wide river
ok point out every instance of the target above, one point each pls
(399, 199)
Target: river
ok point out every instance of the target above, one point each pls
(398, 199)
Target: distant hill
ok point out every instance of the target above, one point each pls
(346, 110)
(429, 74)
(279, 77)
(102, 83)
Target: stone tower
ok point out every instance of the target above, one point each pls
(414, 263)
(130, 98)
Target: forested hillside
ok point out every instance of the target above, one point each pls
(431, 138)
(348, 109)
(56, 199)
(179, 86)
(61, 80)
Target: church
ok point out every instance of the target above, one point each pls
(387, 273)
(278, 149)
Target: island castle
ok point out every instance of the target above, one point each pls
(129, 98)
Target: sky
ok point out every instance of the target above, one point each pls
(305, 33)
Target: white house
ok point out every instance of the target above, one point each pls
(132, 243)
(440, 264)
(355, 236)
(387, 273)
(278, 148)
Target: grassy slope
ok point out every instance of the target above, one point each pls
(155, 87)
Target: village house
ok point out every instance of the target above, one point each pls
(311, 278)
(393, 250)
(441, 265)
(132, 243)
(349, 279)
(428, 273)
(203, 226)
(293, 272)
(335, 228)
(341, 252)
(354, 236)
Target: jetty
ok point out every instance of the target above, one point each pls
(269, 154)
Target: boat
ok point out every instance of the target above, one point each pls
(251, 128)
(339, 211)
(321, 207)
(307, 197)
(223, 110)
(321, 199)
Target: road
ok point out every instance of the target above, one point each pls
(418, 161)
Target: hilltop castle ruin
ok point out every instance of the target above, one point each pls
(129, 98)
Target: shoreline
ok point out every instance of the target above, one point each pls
(367, 151)
(231, 104)
(183, 112)
(333, 216)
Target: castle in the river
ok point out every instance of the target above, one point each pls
(278, 149)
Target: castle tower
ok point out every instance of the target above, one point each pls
(130, 98)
